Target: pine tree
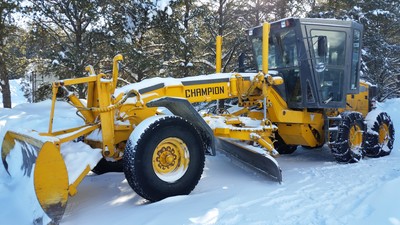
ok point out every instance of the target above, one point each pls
(381, 39)
(180, 33)
(76, 31)
(132, 23)
(225, 19)
(7, 29)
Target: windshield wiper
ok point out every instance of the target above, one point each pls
(328, 100)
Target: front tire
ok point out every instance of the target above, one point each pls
(282, 147)
(380, 135)
(164, 158)
(349, 145)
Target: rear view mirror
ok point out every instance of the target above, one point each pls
(322, 46)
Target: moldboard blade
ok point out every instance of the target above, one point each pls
(262, 162)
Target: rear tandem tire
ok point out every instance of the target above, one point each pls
(166, 160)
(380, 136)
(104, 166)
(349, 146)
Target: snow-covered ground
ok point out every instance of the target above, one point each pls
(315, 189)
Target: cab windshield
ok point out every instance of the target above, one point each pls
(282, 57)
(282, 50)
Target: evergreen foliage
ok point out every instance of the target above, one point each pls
(171, 39)
(381, 39)
(8, 49)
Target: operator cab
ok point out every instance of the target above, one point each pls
(318, 59)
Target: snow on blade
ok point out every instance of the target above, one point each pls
(78, 155)
(18, 202)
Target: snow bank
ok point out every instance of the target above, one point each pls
(17, 95)
(315, 189)
(392, 108)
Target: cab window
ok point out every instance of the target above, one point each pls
(330, 67)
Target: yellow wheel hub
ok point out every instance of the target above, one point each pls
(355, 137)
(170, 159)
(383, 134)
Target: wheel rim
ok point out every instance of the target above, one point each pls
(383, 134)
(355, 138)
(171, 159)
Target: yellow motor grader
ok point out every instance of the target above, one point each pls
(305, 91)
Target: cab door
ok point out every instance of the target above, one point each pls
(331, 71)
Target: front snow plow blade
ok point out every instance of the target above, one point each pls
(262, 162)
(38, 161)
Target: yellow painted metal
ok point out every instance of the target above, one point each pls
(107, 117)
(255, 88)
(298, 134)
(277, 81)
(218, 53)
(70, 136)
(244, 134)
(265, 47)
(255, 115)
(91, 92)
(355, 137)
(266, 143)
(261, 135)
(122, 133)
(227, 132)
(242, 111)
(358, 102)
(170, 155)
(88, 115)
(69, 131)
(50, 176)
(9, 142)
(233, 121)
(383, 134)
(296, 127)
(53, 105)
(233, 83)
(116, 59)
(118, 98)
(91, 100)
(51, 180)
(204, 92)
(74, 81)
(72, 190)
(7, 145)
